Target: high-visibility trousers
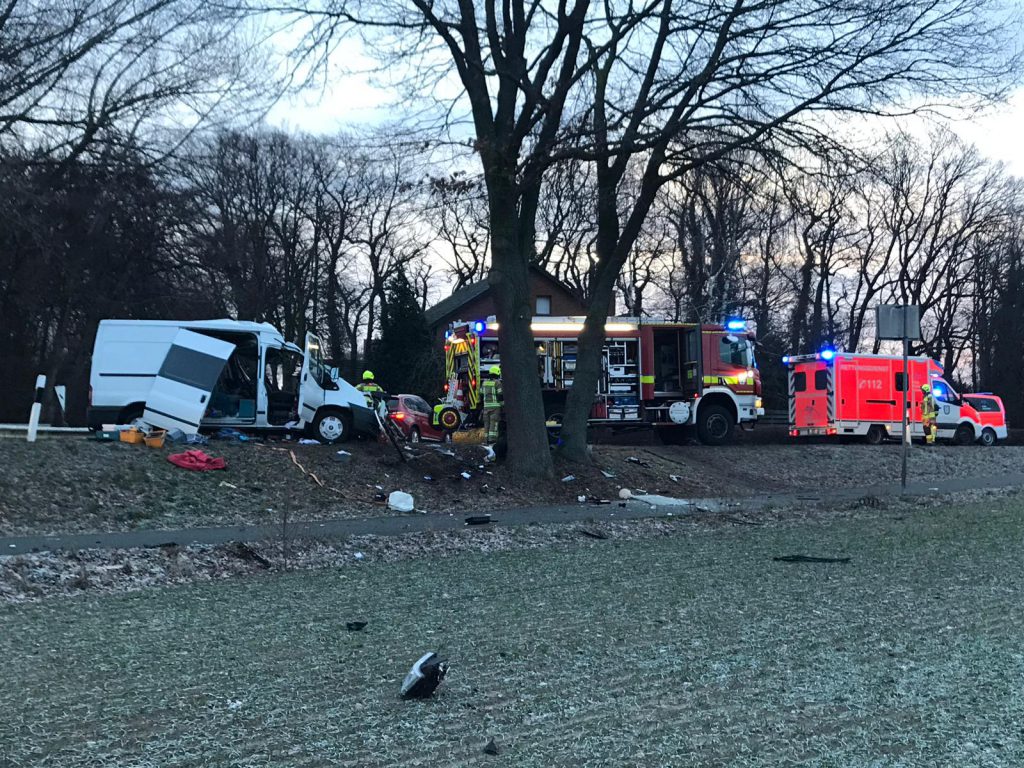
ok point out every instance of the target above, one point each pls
(492, 418)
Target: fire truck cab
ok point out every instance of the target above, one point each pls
(854, 395)
(652, 372)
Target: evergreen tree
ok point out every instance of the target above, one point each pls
(405, 359)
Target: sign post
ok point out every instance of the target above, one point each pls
(903, 322)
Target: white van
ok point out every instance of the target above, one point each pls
(185, 375)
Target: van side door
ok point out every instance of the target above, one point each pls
(188, 375)
(311, 380)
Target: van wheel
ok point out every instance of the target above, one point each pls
(414, 435)
(332, 427)
(714, 425)
(132, 414)
(988, 437)
(964, 435)
(875, 435)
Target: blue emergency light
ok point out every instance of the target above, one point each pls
(785, 359)
(827, 354)
(736, 324)
(479, 326)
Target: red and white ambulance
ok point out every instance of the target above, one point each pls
(854, 395)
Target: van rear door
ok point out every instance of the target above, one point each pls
(189, 373)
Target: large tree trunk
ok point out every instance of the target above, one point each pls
(528, 452)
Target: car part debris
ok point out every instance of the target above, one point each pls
(478, 520)
(810, 559)
(424, 677)
(606, 473)
(342, 457)
(355, 626)
(491, 748)
(359, 556)
(675, 478)
(466, 476)
(401, 502)
(568, 478)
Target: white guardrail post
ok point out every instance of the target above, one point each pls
(37, 407)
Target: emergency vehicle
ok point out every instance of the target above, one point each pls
(855, 395)
(652, 372)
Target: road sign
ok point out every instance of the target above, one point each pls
(898, 321)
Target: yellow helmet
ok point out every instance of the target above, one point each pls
(495, 371)
(367, 375)
(925, 388)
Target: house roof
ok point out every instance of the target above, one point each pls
(467, 293)
(464, 295)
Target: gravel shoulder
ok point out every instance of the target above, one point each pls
(66, 485)
(688, 647)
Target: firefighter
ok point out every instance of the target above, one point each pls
(369, 387)
(929, 414)
(493, 400)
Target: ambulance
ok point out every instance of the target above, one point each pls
(858, 395)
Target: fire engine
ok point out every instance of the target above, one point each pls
(652, 372)
(846, 394)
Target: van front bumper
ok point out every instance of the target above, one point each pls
(364, 422)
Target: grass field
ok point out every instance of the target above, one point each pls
(688, 650)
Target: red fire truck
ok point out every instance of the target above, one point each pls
(652, 372)
(845, 394)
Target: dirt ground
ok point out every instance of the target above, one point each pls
(77, 484)
(697, 649)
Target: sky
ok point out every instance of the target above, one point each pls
(362, 101)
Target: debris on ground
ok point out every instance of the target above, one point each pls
(342, 457)
(656, 500)
(227, 433)
(401, 502)
(478, 520)
(197, 461)
(635, 460)
(245, 552)
(359, 556)
(625, 493)
(675, 478)
(810, 559)
(593, 534)
(491, 748)
(355, 626)
(568, 478)
(424, 677)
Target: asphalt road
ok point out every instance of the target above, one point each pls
(399, 524)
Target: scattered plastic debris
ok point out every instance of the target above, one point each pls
(359, 556)
(401, 502)
(342, 457)
(226, 484)
(606, 473)
(581, 499)
(428, 478)
(466, 476)
(661, 501)
(478, 520)
(235, 705)
(625, 493)
(355, 626)
(491, 748)
(424, 677)
(675, 478)
(568, 478)
(308, 441)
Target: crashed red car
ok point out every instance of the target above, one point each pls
(414, 417)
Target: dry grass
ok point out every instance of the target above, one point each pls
(695, 650)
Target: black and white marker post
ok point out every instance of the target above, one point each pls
(37, 407)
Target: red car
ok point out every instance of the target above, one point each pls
(414, 417)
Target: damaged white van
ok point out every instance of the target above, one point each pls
(219, 373)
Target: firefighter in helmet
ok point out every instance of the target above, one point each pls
(493, 400)
(369, 387)
(929, 414)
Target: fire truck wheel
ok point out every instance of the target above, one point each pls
(988, 437)
(714, 425)
(964, 435)
(875, 435)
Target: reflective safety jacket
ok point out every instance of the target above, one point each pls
(368, 388)
(492, 393)
(928, 408)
